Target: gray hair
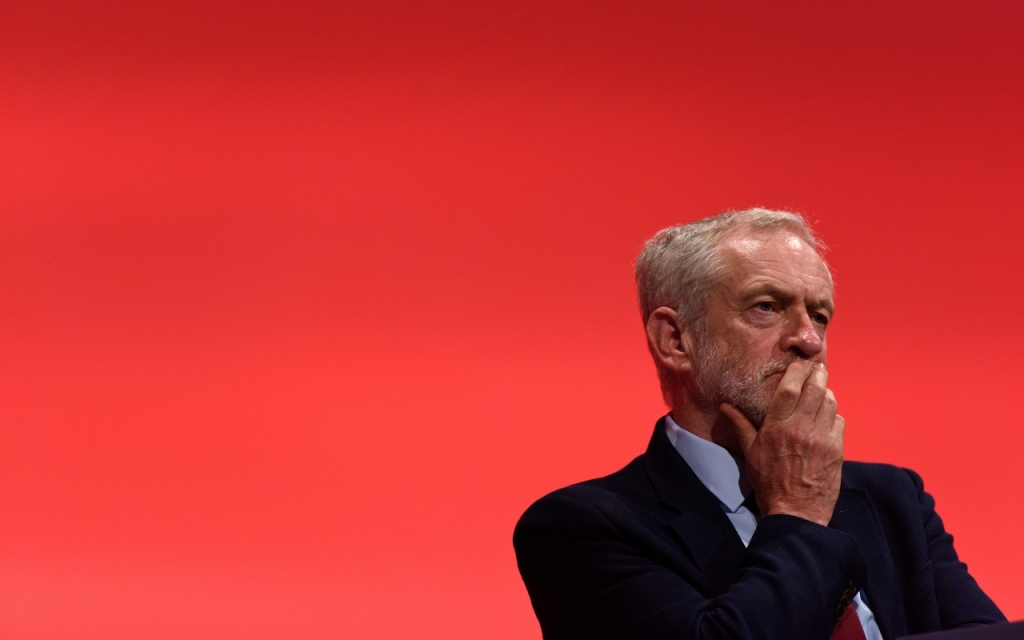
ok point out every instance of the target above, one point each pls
(681, 266)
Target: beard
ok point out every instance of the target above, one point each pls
(724, 375)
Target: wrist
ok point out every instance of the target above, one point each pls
(816, 515)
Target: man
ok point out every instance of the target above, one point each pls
(742, 520)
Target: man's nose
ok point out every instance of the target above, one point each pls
(803, 336)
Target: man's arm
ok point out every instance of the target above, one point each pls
(961, 602)
(594, 571)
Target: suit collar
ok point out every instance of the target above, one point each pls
(677, 485)
(695, 514)
(723, 473)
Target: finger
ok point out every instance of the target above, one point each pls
(815, 391)
(827, 411)
(790, 388)
(839, 427)
(836, 433)
(744, 429)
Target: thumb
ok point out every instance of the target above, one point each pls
(744, 429)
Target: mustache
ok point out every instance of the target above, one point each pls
(772, 367)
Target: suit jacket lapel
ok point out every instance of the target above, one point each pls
(701, 526)
(855, 515)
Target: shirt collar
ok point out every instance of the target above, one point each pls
(724, 474)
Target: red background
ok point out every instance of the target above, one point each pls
(303, 304)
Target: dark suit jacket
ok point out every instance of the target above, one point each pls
(647, 552)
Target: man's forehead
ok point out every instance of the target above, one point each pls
(745, 240)
(755, 258)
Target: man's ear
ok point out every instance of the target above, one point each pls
(669, 340)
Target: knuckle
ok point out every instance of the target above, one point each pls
(828, 412)
(789, 392)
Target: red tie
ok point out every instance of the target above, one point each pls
(848, 627)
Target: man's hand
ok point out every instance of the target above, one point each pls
(795, 460)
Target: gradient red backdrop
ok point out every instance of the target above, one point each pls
(303, 304)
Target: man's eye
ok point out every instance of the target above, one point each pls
(820, 318)
(763, 306)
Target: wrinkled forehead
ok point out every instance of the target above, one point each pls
(750, 254)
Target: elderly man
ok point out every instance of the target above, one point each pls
(742, 519)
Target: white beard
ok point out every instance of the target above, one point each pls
(721, 376)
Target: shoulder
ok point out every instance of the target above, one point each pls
(881, 478)
(897, 493)
(600, 502)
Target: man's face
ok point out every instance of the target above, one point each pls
(772, 308)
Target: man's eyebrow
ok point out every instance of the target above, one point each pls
(771, 290)
(767, 289)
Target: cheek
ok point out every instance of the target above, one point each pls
(765, 348)
(771, 384)
(750, 348)
(748, 338)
